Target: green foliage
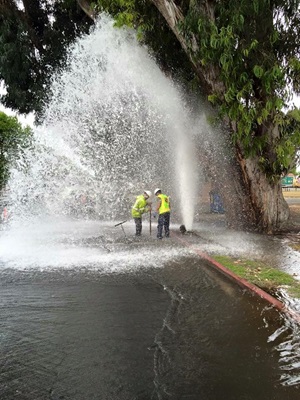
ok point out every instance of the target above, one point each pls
(256, 55)
(288, 144)
(153, 31)
(33, 43)
(14, 139)
(254, 45)
(125, 12)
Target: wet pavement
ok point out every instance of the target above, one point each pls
(94, 314)
(213, 237)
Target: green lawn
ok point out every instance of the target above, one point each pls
(261, 275)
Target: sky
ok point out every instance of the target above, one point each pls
(23, 119)
(297, 101)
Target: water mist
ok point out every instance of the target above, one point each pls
(115, 125)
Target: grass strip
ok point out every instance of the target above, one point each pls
(261, 275)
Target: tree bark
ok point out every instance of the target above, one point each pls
(250, 200)
(85, 5)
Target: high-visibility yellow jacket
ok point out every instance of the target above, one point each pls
(164, 204)
(140, 207)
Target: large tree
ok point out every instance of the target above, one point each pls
(246, 56)
(14, 139)
(34, 36)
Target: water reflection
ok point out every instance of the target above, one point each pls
(139, 320)
(161, 335)
(213, 344)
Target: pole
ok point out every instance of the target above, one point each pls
(121, 223)
(150, 222)
(123, 231)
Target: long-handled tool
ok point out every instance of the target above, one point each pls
(121, 223)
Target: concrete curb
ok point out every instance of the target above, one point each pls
(242, 282)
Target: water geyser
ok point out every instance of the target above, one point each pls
(114, 123)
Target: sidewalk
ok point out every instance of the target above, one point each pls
(279, 304)
(211, 238)
(278, 251)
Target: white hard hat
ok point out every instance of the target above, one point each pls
(157, 190)
(148, 193)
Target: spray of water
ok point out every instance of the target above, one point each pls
(115, 125)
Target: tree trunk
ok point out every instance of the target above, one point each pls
(86, 6)
(270, 210)
(250, 200)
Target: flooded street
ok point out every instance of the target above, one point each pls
(88, 311)
(138, 320)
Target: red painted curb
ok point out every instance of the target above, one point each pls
(242, 282)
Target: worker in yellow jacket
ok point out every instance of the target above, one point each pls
(140, 206)
(163, 209)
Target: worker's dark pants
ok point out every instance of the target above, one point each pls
(163, 222)
(138, 226)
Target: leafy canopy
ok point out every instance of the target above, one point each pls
(14, 139)
(34, 36)
(151, 28)
(254, 46)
